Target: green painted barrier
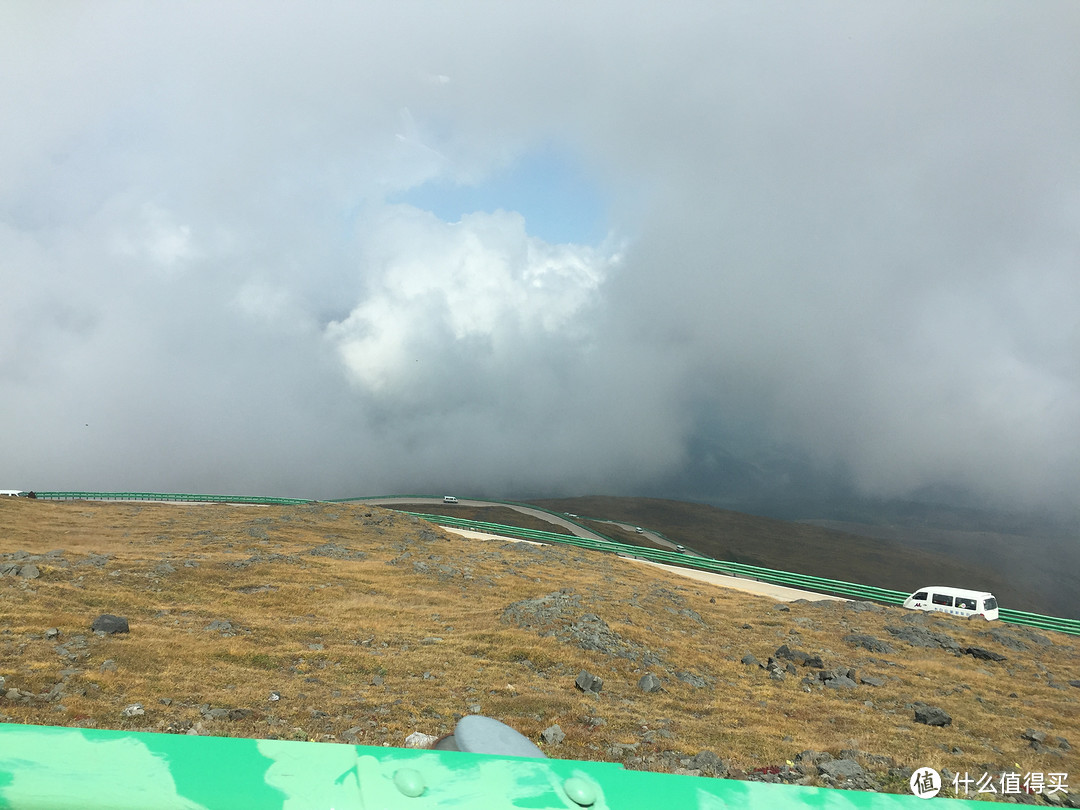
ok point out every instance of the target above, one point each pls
(167, 496)
(832, 587)
(53, 768)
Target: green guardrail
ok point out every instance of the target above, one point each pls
(90, 769)
(166, 496)
(823, 585)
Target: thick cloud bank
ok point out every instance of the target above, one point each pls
(843, 245)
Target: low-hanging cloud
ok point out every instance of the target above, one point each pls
(843, 240)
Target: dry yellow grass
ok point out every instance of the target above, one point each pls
(410, 635)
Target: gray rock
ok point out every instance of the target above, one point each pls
(931, 715)
(108, 665)
(1075, 683)
(842, 769)
(107, 623)
(921, 637)
(696, 681)
(29, 571)
(589, 683)
(649, 683)
(134, 710)
(552, 735)
(653, 735)
(750, 660)
(352, 735)
(843, 682)
(1034, 736)
(983, 654)
(871, 681)
(709, 764)
(419, 739)
(868, 642)
(52, 632)
(219, 625)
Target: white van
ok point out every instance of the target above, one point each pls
(955, 601)
(449, 499)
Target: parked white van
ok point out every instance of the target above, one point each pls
(955, 601)
(449, 499)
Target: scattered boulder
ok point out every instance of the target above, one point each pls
(419, 739)
(838, 678)
(352, 735)
(843, 682)
(921, 637)
(552, 735)
(696, 681)
(588, 683)
(107, 623)
(649, 683)
(134, 710)
(842, 769)
(931, 715)
(709, 764)
(808, 762)
(799, 657)
(983, 654)
(29, 571)
(750, 660)
(869, 643)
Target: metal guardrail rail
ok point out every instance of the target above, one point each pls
(833, 587)
(91, 769)
(166, 496)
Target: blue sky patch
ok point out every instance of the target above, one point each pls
(546, 187)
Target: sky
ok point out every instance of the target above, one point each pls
(694, 249)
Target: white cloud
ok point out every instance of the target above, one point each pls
(854, 232)
(471, 292)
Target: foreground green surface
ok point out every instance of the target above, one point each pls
(52, 767)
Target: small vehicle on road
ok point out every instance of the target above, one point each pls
(449, 499)
(957, 601)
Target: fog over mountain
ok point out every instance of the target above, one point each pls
(738, 253)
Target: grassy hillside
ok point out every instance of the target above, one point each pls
(815, 550)
(349, 623)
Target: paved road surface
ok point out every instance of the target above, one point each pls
(525, 510)
(777, 592)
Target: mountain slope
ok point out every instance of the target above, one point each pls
(887, 562)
